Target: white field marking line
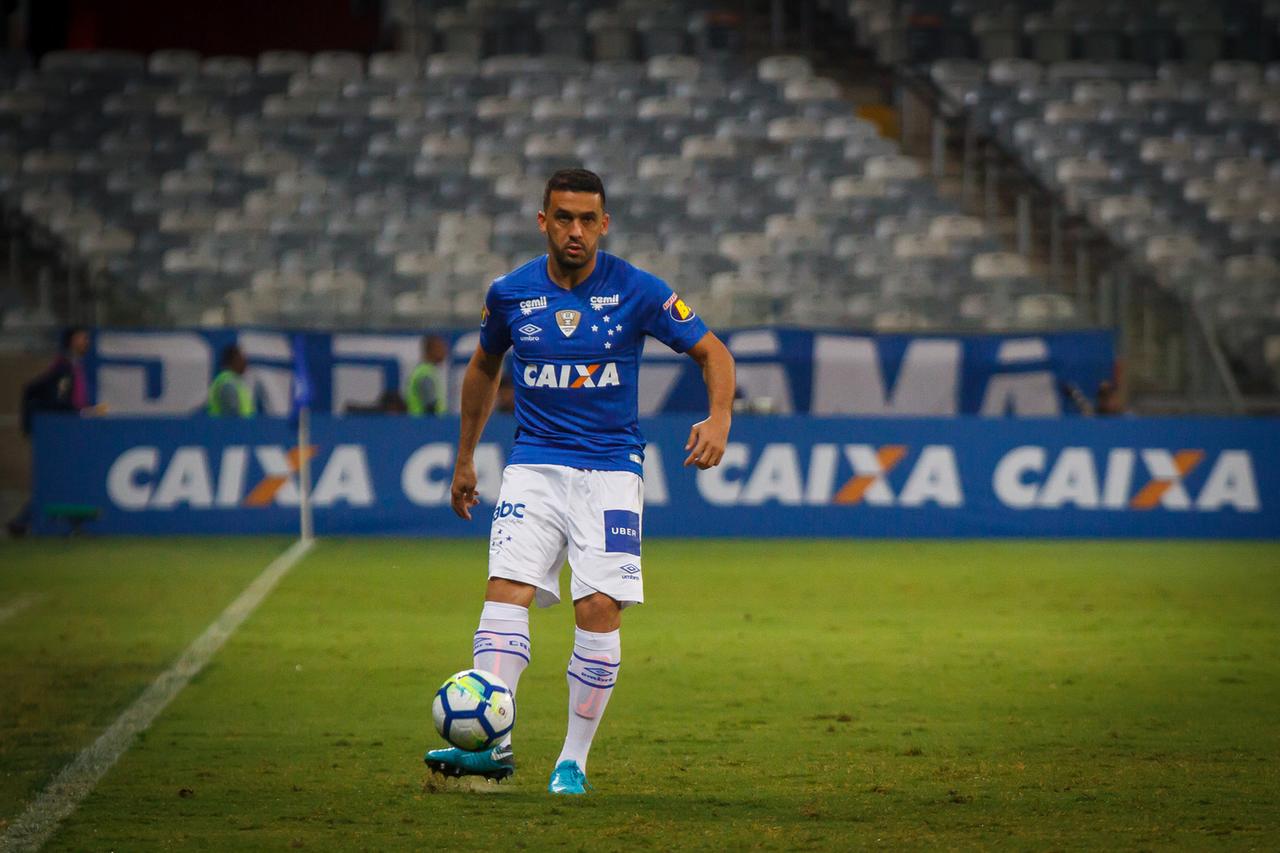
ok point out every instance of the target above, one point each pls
(12, 608)
(62, 795)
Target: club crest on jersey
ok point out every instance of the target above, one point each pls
(568, 321)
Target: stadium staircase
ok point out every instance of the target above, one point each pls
(1137, 152)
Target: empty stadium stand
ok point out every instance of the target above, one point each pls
(1141, 142)
(1176, 164)
(327, 189)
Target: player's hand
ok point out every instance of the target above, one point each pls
(707, 441)
(463, 494)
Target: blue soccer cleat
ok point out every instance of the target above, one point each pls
(496, 764)
(568, 778)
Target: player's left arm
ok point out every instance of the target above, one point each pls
(708, 438)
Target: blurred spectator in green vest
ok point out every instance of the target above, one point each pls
(229, 395)
(425, 392)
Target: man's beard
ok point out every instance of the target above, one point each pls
(566, 262)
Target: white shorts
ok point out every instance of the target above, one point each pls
(547, 512)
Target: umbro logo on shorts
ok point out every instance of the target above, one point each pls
(630, 569)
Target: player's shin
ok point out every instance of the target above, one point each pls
(593, 669)
(501, 643)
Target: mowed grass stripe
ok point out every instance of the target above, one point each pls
(773, 695)
(13, 607)
(114, 614)
(73, 784)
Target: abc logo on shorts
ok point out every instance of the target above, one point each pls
(507, 509)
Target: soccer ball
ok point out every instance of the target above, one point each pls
(474, 709)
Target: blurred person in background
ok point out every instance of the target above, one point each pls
(425, 391)
(388, 403)
(1109, 401)
(63, 387)
(229, 395)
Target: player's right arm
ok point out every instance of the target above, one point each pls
(479, 388)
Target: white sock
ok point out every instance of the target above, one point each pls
(502, 645)
(593, 669)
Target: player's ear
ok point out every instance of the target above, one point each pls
(604, 225)
(542, 221)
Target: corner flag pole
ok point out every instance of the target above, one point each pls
(306, 528)
(301, 410)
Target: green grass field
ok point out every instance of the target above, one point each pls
(774, 695)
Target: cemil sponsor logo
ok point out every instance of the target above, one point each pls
(571, 375)
(528, 306)
(599, 303)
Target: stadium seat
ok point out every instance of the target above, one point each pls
(421, 176)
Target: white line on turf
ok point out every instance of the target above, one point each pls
(62, 795)
(12, 608)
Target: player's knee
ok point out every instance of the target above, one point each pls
(597, 612)
(509, 592)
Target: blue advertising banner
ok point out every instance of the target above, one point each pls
(781, 476)
(788, 371)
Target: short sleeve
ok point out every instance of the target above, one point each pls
(495, 335)
(670, 319)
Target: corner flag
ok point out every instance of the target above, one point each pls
(300, 416)
(301, 385)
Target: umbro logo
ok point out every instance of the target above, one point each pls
(630, 568)
(529, 329)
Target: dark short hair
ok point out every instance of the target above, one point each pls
(228, 354)
(64, 342)
(573, 180)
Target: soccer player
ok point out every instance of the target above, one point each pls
(576, 319)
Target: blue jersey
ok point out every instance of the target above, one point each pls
(576, 358)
